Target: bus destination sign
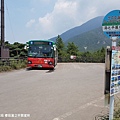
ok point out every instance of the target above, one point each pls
(40, 43)
(111, 24)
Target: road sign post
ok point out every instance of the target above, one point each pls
(111, 109)
(111, 28)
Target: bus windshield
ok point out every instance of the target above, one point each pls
(40, 51)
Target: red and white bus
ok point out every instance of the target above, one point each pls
(42, 54)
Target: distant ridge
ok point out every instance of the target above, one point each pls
(88, 37)
(88, 26)
(93, 40)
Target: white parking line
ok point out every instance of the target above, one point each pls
(61, 117)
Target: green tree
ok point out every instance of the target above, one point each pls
(72, 49)
(86, 57)
(99, 55)
(60, 46)
(7, 43)
(16, 49)
(118, 43)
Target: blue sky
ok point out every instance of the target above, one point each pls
(44, 19)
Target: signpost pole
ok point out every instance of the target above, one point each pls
(111, 28)
(111, 109)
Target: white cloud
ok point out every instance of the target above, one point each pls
(67, 14)
(60, 19)
(30, 23)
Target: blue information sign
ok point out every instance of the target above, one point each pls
(111, 24)
(115, 71)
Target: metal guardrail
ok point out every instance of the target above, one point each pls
(10, 61)
(82, 59)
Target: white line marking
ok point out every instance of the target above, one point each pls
(56, 119)
(61, 117)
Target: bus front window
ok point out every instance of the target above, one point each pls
(40, 51)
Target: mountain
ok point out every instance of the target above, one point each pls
(91, 41)
(88, 37)
(88, 26)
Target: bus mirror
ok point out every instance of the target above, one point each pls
(55, 48)
(26, 47)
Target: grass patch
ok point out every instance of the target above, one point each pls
(104, 114)
(14, 65)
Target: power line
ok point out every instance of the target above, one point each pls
(10, 22)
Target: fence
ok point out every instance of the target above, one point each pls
(7, 64)
(16, 63)
(10, 61)
(87, 59)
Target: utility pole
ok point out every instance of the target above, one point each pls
(4, 51)
(2, 23)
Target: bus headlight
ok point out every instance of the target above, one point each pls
(29, 62)
(50, 63)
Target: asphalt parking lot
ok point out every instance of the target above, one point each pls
(73, 91)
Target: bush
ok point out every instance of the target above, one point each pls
(5, 68)
(18, 65)
(117, 115)
(14, 65)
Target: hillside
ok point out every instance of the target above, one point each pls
(93, 40)
(89, 35)
(88, 26)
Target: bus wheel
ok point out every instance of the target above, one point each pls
(28, 68)
(52, 68)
